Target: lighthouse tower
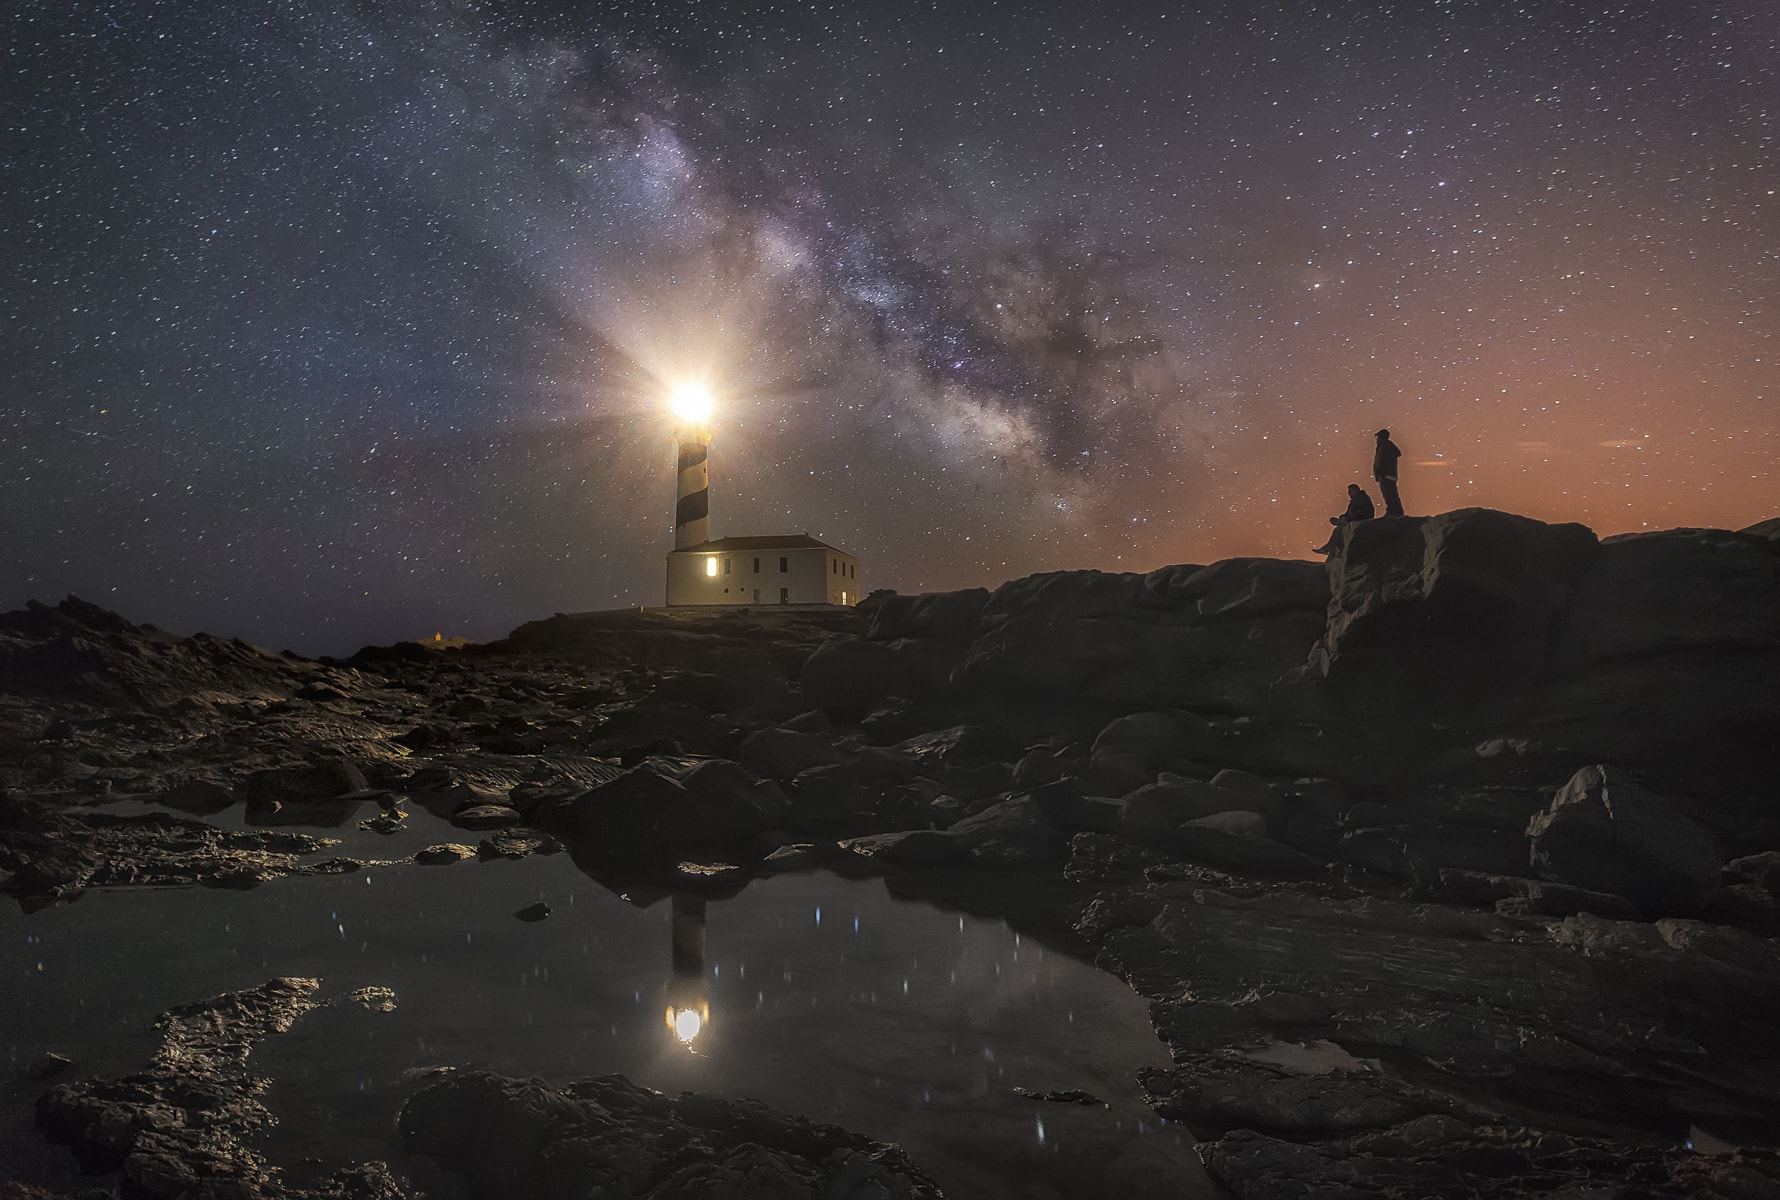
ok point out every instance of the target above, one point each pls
(692, 500)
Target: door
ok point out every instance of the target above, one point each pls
(784, 595)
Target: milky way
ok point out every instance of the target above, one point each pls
(335, 324)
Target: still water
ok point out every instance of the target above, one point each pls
(820, 995)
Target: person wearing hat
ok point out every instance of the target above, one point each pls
(1384, 470)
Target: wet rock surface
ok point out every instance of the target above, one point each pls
(607, 1136)
(1446, 864)
(184, 1125)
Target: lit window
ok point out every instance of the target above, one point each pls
(711, 565)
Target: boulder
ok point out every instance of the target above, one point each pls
(1678, 590)
(1154, 810)
(1243, 589)
(1238, 840)
(655, 803)
(848, 677)
(783, 753)
(1431, 613)
(947, 616)
(1605, 833)
(486, 816)
(1011, 833)
(911, 848)
(200, 797)
(1131, 750)
(323, 779)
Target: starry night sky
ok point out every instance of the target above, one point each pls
(329, 324)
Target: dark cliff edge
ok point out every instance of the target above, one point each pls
(1449, 866)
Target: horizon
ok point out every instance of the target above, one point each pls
(335, 328)
(459, 639)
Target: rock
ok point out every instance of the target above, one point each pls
(1513, 894)
(947, 616)
(848, 677)
(444, 854)
(184, 1126)
(1011, 833)
(516, 843)
(783, 753)
(386, 822)
(486, 816)
(1431, 613)
(1247, 791)
(534, 912)
(912, 848)
(1038, 768)
(1155, 810)
(48, 1065)
(374, 998)
(606, 1136)
(1069, 1096)
(1131, 750)
(1762, 870)
(195, 1088)
(813, 721)
(653, 804)
(1676, 590)
(200, 797)
(1418, 851)
(1606, 834)
(321, 780)
(1424, 1156)
(57, 854)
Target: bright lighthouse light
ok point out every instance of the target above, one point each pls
(692, 403)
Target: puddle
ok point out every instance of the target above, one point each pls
(820, 995)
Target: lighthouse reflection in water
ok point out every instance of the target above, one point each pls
(688, 996)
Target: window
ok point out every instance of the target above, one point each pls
(852, 570)
(784, 565)
(726, 566)
(711, 565)
(834, 566)
(757, 566)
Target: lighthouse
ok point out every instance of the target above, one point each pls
(692, 499)
(740, 572)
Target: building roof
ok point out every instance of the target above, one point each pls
(773, 541)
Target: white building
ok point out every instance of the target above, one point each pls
(737, 571)
(776, 569)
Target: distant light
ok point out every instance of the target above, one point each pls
(687, 1024)
(692, 402)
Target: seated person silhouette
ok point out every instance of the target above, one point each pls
(1359, 508)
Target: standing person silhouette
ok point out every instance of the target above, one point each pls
(1384, 470)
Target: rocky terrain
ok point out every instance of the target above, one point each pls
(1449, 868)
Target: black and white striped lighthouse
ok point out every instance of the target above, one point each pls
(692, 502)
